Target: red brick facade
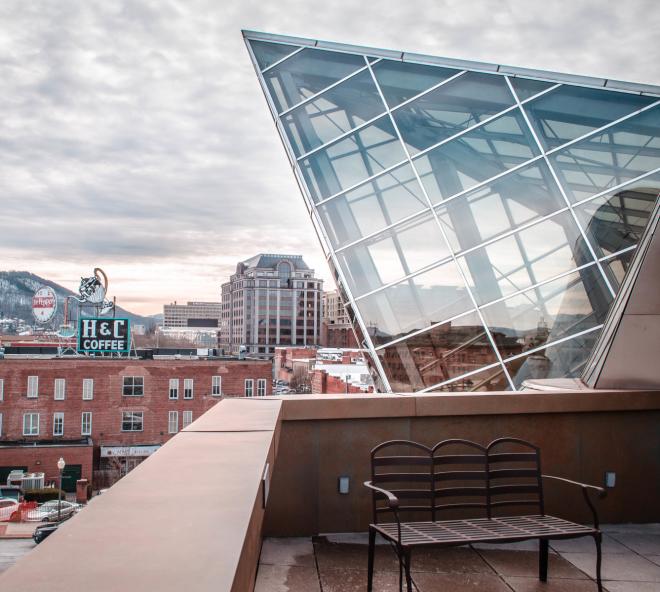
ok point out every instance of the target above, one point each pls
(109, 401)
(324, 383)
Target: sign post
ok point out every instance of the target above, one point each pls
(102, 335)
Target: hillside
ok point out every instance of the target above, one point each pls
(18, 287)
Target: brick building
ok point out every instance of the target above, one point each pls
(336, 328)
(107, 415)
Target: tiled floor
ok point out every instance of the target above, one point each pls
(338, 563)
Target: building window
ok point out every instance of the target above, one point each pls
(187, 419)
(58, 424)
(2, 389)
(173, 422)
(261, 387)
(188, 388)
(0, 424)
(131, 421)
(249, 387)
(87, 389)
(60, 389)
(216, 386)
(174, 388)
(30, 424)
(33, 387)
(86, 423)
(133, 386)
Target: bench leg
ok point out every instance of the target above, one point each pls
(408, 578)
(543, 560)
(370, 568)
(598, 539)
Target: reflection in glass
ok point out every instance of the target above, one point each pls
(333, 113)
(525, 258)
(307, 73)
(428, 298)
(442, 353)
(527, 87)
(620, 153)
(401, 81)
(564, 360)
(267, 53)
(565, 306)
(476, 156)
(372, 206)
(569, 112)
(616, 268)
(453, 107)
(503, 205)
(352, 159)
(617, 220)
(393, 254)
(489, 380)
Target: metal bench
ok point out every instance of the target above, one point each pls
(491, 488)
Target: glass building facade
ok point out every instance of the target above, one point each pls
(478, 219)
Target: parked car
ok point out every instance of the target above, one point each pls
(49, 511)
(7, 507)
(43, 531)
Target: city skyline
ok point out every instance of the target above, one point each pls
(135, 138)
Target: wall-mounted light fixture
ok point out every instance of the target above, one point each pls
(343, 484)
(610, 479)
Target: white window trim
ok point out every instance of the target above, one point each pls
(88, 393)
(88, 431)
(186, 383)
(261, 382)
(58, 415)
(172, 422)
(216, 381)
(249, 382)
(31, 414)
(59, 389)
(0, 424)
(132, 413)
(123, 386)
(174, 386)
(187, 419)
(32, 387)
(2, 389)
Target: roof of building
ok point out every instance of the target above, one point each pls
(270, 261)
(635, 87)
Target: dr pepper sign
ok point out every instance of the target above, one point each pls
(104, 335)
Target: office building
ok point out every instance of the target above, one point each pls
(193, 315)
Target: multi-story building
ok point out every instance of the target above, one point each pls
(107, 415)
(271, 300)
(336, 329)
(192, 314)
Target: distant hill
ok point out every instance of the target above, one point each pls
(18, 287)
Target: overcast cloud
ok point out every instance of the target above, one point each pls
(134, 135)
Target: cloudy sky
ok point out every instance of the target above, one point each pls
(134, 135)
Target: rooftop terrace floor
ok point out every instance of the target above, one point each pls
(338, 563)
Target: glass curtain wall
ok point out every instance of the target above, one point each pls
(478, 224)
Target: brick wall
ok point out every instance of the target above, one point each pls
(43, 459)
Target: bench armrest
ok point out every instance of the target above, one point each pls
(392, 500)
(585, 492)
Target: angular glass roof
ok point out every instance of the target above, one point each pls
(479, 218)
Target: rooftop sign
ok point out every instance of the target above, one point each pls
(104, 336)
(44, 304)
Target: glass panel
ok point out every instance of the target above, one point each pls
(622, 152)
(571, 111)
(401, 81)
(453, 107)
(307, 73)
(616, 268)
(550, 312)
(564, 360)
(499, 207)
(352, 159)
(525, 258)
(267, 53)
(393, 254)
(442, 353)
(617, 220)
(526, 87)
(430, 297)
(476, 156)
(336, 111)
(372, 206)
(492, 379)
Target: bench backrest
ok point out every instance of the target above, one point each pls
(458, 475)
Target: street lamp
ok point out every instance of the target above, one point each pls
(60, 465)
